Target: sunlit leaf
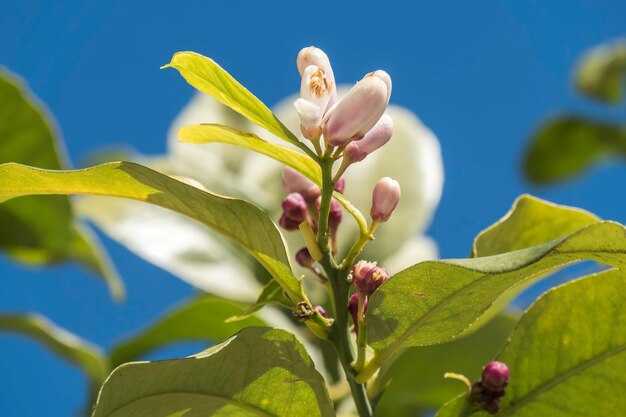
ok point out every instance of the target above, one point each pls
(236, 219)
(566, 146)
(42, 230)
(567, 355)
(601, 72)
(433, 302)
(205, 75)
(202, 318)
(272, 294)
(86, 356)
(236, 378)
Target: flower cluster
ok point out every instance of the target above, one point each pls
(366, 277)
(488, 391)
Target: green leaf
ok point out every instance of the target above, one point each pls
(601, 71)
(205, 75)
(66, 345)
(531, 221)
(208, 133)
(566, 146)
(567, 355)
(202, 318)
(272, 294)
(435, 301)
(258, 372)
(416, 381)
(42, 230)
(236, 219)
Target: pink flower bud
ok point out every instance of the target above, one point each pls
(377, 136)
(295, 207)
(334, 215)
(367, 277)
(340, 185)
(294, 182)
(495, 376)
(321, 311)
(315, 56)
(385, 198)
(287, 223)
(353, 309)
(355, 114)
(304, 258)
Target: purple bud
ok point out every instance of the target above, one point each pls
(304, 258)
(355, 114)
(321, 311)
(295, 207)
(491, 405)
(495, 376)
(315, 56)
(287, 223)
(335, 215)
(377, 136)
(353, 309)
(294, 182)
(340, 185)
(385, 198)
(367, 277)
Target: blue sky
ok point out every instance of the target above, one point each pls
(481, 75)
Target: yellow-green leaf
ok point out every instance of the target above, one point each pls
(601, 72)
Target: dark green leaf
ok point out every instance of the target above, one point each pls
(258, 372)
(41, 230)
(567, 356)
(566, 146)
(600, 73)
(202, 318)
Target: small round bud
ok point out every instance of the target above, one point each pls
(294, 182)
(385, 198)
(376, 137)
(491, 405)
(495, 376)
(367, 277)
(334, 215)
(287, 223)
(295, 207)
(340, 185)
(304, 258)
(321, 311)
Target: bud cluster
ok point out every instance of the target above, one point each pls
(366, 277)
(488, 391)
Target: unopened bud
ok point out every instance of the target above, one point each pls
(495, 376)
(288, 223)
(295, 207)
(315, 56)
(353, 309)
(376, 137)
(321, 311)
(294, 182)
(334, 215)
(385, 198)
(340, 185)
(304, 258)
(367, 277)
(355, 114)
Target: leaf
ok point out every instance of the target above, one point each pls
(272, 294)
(601, 71)
(202, 318)
(566, 146)
(416, 379)
(236, 378)
(567, 355)
(66, 345)
(236, 219)
(207, 133)
(531, 221)
(435, 301)
(205, 75)
(42, 230)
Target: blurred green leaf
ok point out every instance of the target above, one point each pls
(236, 378)
(202, 318)
(42, 230)
(205, 75)
(88, 357)
(567, 355)
(272, 294)
(531, 221)
(416, 381)
(600, 73)
(208, 133)
(239, 220)
(568, 145)
(435, 301)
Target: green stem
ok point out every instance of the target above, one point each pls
(361, 339)
(358, 247)
(323, 237)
